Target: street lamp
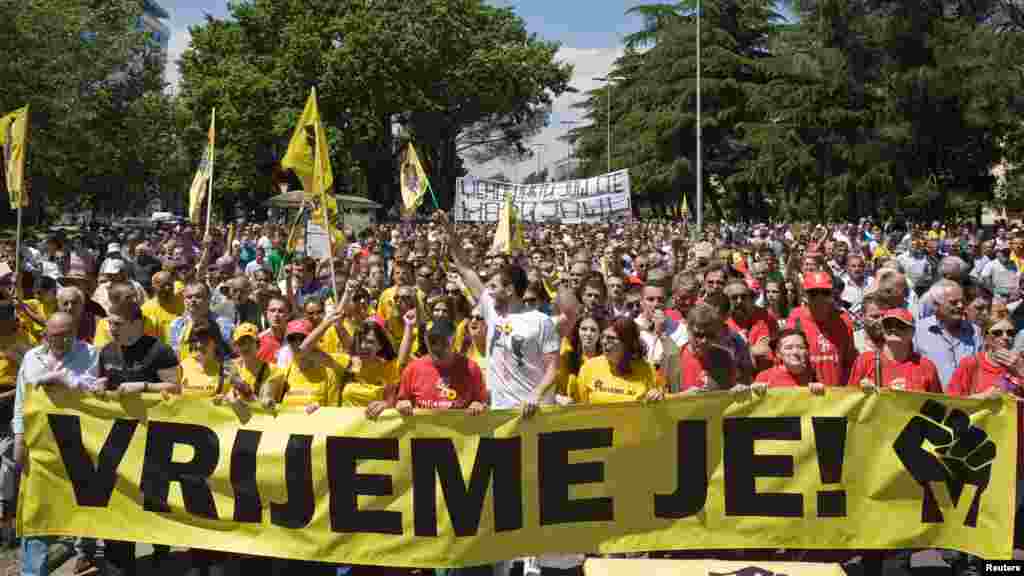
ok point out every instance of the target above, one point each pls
(609, 80)
(700, 167)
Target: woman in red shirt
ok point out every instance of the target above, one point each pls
(901, 367)
(992, 373)
(795, 370)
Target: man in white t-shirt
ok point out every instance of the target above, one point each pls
(522, 347)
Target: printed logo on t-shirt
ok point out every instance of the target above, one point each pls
(505, 339)
(445, 390)
(600, 386)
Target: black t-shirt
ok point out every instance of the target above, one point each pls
(140, 362)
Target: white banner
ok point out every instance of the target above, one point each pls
(590, 200)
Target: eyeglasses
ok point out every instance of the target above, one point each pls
(819, 293)
(1009, 333)
(530, 301)
(477, 318)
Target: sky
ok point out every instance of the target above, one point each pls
(590, 33)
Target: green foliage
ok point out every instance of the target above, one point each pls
(101, 126)
(860, 108)
(461, 76)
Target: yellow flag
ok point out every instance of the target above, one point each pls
(509, 235)
(201, 182)
(308, 156)
(414, 180)
(13, 138)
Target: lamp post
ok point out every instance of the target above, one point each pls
(608, 118)
(568, 148)
(700, 167)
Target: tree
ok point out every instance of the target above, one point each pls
(81, 67)
(460, 76)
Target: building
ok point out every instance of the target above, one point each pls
(152, 23)
(565, 169)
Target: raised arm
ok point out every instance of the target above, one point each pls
(468, 275)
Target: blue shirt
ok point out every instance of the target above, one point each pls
(177, 330)
(944, 349)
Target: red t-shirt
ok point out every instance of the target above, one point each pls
(694, 369)
(762, 324)
(830, 346)
(674, 314)
(977, 374)
(780, 377)
(269, 347)
(919, 372)
(455, 387)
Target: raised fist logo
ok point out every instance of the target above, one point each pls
(941, 446)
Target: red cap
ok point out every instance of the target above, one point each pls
(901, 314)
(378, 321)
(635, 281)
(298, 327)
(817, 281)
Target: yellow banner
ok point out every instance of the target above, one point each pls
(13, 140)
(788, 470)
(414, 180)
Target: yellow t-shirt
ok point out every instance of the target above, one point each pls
(179, 287)
(597, 384)
(12, 350)
(159, 317)
(320, 384)
(367, 380)
(197, 380)
(271, 375)
(385, 307)
(28, 326)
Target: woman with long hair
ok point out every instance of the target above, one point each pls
(474, 342)
(584, 344)
(620, 373)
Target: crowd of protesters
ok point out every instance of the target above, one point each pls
(425, 316)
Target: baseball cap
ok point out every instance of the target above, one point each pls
(442, 328)
(243, 330)
(298, 327)
(113, 247)
(901, 314)
(817, 281)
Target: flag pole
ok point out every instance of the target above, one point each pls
(209, 191)
(323, 210)
(291, 232)
(432, 196)
(17, 250)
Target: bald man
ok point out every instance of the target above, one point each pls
(160, 310)
(61, 360)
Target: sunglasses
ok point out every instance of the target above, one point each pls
(894, 327)
(529, 300)
(477, 318)
(1009, 333)
(819, 293)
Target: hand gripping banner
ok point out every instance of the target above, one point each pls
(787, 470)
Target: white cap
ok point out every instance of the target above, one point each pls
(113, 247)
(112, 266)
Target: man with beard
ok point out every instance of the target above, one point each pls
(829, 338)
(755, 325)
